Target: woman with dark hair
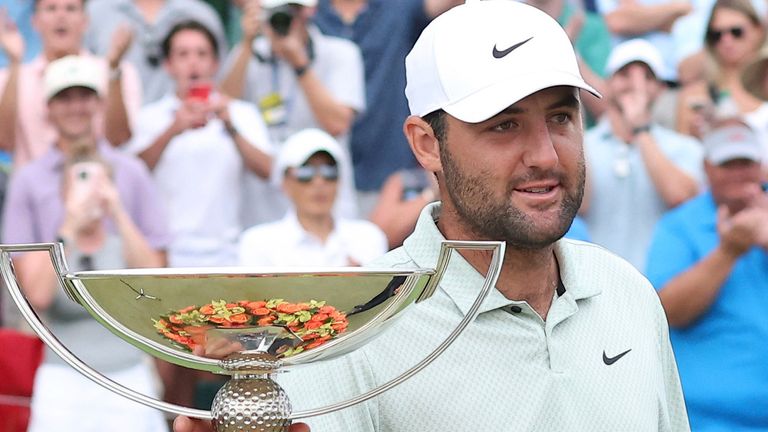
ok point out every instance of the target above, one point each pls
(733, 39)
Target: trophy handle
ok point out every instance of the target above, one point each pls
(56, 251)
(494, 269)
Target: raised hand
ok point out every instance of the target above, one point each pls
(739, 232)
(11, 41)
(250, 22)
(119, 44)
(191, 114)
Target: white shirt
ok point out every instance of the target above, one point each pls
(286, 243)
(510, 370)
(200, 175)
(338, 65)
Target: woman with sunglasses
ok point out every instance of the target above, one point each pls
(733, 39)
(309, 168)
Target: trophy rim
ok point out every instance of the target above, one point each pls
(246, 271)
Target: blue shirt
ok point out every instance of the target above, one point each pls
(723, 356)
(20, 12)
(385, 31)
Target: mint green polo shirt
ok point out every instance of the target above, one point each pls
(510, 370)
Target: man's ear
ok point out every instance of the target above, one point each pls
(424, 144)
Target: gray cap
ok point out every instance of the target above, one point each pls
(732, 142)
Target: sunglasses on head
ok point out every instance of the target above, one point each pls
(306, 173)
(714, 36)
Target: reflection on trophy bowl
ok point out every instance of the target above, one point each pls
(247, 323)
(197, 317)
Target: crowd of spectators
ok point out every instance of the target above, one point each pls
(151, 133)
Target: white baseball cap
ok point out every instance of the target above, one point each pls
(732, 142)
(269, 4)
(635, 50)
(299, 147)
(71, 71)
(477, 59)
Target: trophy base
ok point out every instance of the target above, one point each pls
(253, 403)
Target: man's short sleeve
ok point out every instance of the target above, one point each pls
(248, 122)
(152, 121)
(146, 207)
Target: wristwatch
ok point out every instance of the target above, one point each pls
(640, 129)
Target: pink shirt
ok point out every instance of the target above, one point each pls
(34, 133)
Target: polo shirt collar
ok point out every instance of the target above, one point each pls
(462, 283)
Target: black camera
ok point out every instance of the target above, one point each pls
(280, 19)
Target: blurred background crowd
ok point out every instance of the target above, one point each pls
(179, 133)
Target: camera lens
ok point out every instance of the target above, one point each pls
(280, 20)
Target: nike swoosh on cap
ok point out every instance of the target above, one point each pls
(501, 54)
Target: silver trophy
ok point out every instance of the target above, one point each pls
(246, 323)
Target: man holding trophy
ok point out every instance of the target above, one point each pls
(573, 338)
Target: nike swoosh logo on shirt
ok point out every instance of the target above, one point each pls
(611, 360)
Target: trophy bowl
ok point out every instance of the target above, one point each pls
(248, 323)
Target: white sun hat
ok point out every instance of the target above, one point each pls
(477, 59)
(71, 71)
(635, 50)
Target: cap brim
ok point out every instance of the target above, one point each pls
(53, 92)
(491, 100)
(734, 152)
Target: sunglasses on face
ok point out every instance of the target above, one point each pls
(714, 36)
(305, 173)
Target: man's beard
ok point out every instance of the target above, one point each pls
(496, 218)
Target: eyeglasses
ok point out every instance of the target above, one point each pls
(305, 173)
(714, 36)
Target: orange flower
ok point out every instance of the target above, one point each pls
(288, 308)
(311, 325)
(266, 321)
(175, 319)
(207, 310)
(256, 304)
(260, 311)
(239, 318)
(319, 317)
(327, 309)
(314, 344)
(339, 327)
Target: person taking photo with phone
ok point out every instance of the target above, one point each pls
(102, 205)
(199, 143)
(299, 78)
